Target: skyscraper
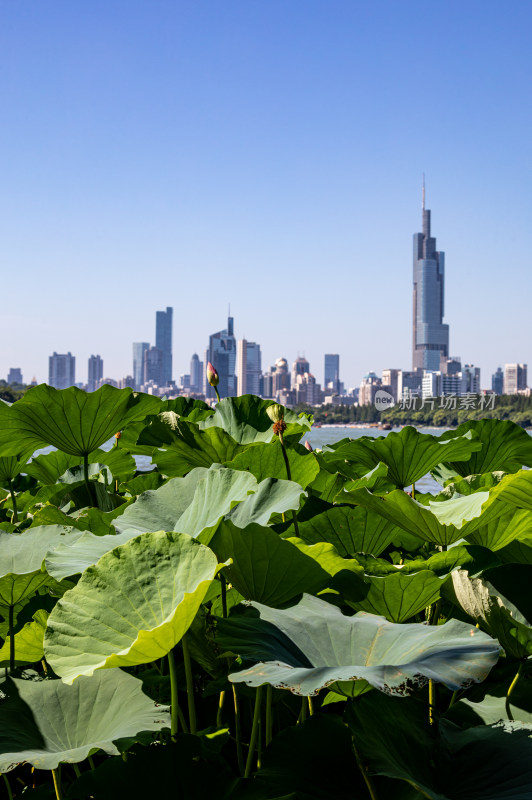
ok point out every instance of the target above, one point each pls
(154, 366)
(163, 341)
(62, 370)
(95, 373)
(248, 367)
(515, 376)
(331, 378)
(196, 374)
(299, 367)
(139, 348)
(430, 335)
(221, 353)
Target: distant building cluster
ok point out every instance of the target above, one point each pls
(239, 363)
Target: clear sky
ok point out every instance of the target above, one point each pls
(267, 154)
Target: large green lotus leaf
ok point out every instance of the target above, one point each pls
(392, 658)
(196, 503)
(409, 454)
(328, 481)
(518, 552)
(72, 420)
(504, 446)
(49, 467)
(490, 711)
(495, 613)
(265, 567)
(266, 461)
(21, 559)
(441, 522)
(73, 555)
(44, 723)
(350, 530)
(177, 446)
(245, 419)
(132, 607)
(28, 642)
(514, 524)
(442, 761)
(159, 509)
(399, 596)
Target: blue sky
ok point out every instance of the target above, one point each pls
(266, 154)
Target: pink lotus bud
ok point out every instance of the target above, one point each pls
(308, 445)
(212, 375)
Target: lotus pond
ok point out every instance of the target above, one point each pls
(254, 620)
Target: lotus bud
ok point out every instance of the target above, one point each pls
(118, 435)
(212, 375)
(308, 446)
(275, 412)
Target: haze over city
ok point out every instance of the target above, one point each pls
(266, 155)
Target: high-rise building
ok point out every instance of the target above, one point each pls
(470, 379)
(196, 374)
(154, 366)
(409, 384)
(62, 370)
(299, 367)
(369, 386)
(163, 341)
(430, 335)
(390, 377)
(497, 381)
(331, 375)
(139, 348)
(514, 378)
(221, 353)
(248, 367)
(95, 373)
(14, 375)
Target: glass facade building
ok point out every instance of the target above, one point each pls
(430, 335)
(163, 342)
(221, 353)
(95, 373)
(62, 370)
(332, 372)
(139, 348)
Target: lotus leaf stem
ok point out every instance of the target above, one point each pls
(190, 686)
(432, 702)
(86, 476)
(56, 775)
(173, 694)
(310, 706)
(238, 732)
(254, 732)
(367, 777)
(269, 720)
(8, 787)
(221, 701)
(14, 501)
(11, 639)
(76, 770)
(510, 690)
(91, 762)
(289, 477)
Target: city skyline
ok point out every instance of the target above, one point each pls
(266, 155)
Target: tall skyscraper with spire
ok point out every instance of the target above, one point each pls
(430, 335)
(163, 341)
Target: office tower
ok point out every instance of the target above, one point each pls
(14, 375)
(95, 373)
(163, 341)
(431, 384)
(408, 384)
(62, 370)
(139, 348)
(430, 335)
(331, 376)
(451, 366)
(470, 379)
(154, 366)
(497, 381)
(248, 367)
(221, 353)
(196, 374)
(390, 377)
(299, 367)
(368, 388)
(514, 378)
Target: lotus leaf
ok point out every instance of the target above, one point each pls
(72, 420)
(246, 421)
(132, 607)
(504, 446)
(392, 658)
(47, 722)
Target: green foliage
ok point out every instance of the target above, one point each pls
(235, 595)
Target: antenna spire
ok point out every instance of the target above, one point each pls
(423, 194)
